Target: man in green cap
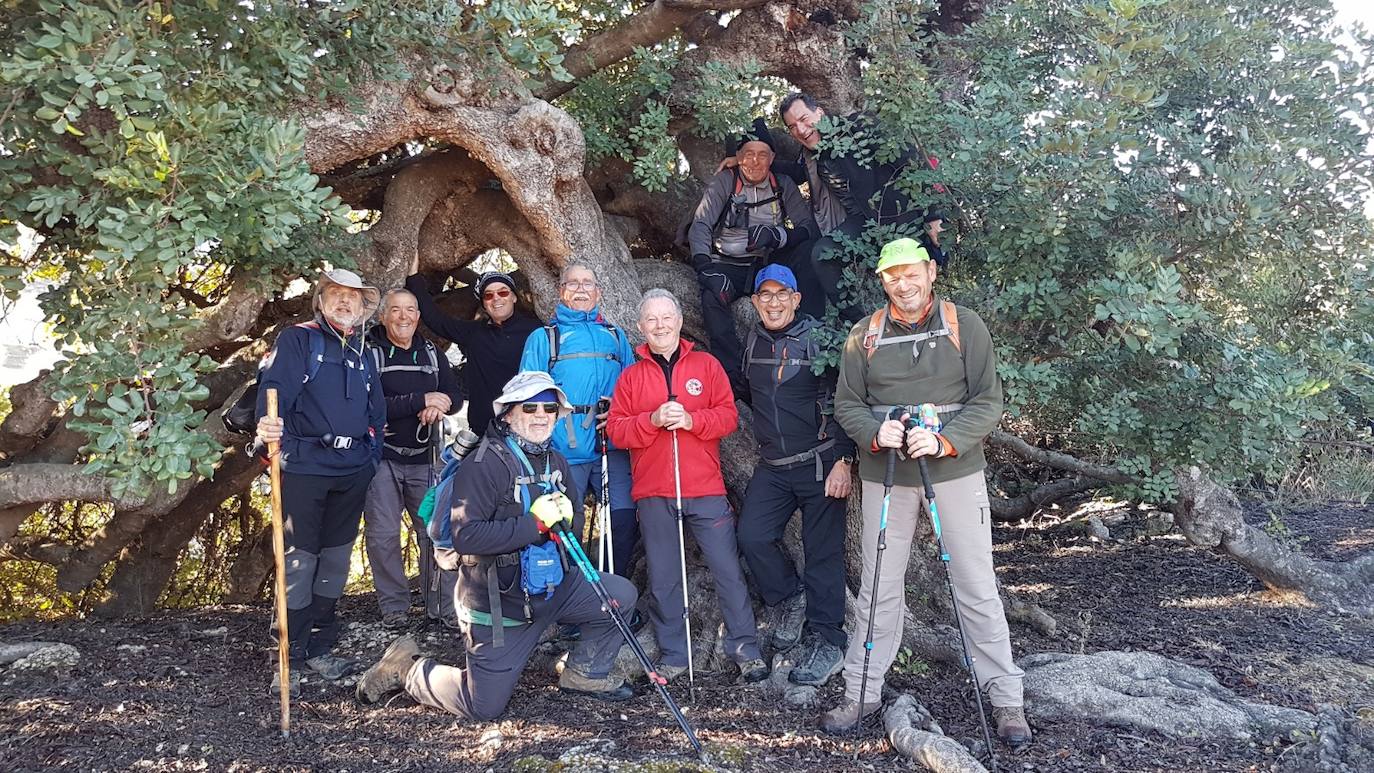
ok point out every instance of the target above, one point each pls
(920, 349)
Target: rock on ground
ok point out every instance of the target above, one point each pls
(1151, 692)
(52, 657)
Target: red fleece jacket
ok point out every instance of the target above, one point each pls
(700, 385)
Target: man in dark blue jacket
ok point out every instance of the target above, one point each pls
(330, 424)
(805, 460)
(420, 390)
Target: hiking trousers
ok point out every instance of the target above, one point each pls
(773, 495)
(480, 690)
(398, 489)
(586, 478)
(967, 527)
(321, 515)
(710, 521)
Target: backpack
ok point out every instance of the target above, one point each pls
(379, 360)
(241, 417)
(551, 330)
(949, 326)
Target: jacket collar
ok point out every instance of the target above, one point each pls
(683, 347)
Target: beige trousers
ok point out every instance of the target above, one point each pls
(967, 528)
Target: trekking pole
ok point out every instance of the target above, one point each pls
(682, 554)
(568, 541)
(878, 566)
(931, 421)
(279, 555)
(606, 560)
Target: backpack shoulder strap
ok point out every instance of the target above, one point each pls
(951, 320)
(551, 330)
(433, 354)
(875, 331)
(316, 338)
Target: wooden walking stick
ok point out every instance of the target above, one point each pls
(279, 555)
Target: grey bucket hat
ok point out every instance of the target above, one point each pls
(527, 384)
(372, 297)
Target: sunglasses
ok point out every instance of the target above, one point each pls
(490, 294)
(534, 407)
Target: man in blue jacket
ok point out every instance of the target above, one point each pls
(585, 354)
(330, 422)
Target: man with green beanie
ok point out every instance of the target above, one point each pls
(920, 349)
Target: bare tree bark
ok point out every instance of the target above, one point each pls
(1211, 516)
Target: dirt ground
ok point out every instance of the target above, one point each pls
(188, 690)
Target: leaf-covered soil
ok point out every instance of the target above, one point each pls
(188, 690)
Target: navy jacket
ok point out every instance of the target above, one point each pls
(406, 376)
(792, 405)
(343, 400)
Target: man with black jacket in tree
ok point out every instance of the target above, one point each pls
(847, 193)
(805, 461)
(420, 389)
(492, 344)
(747, 217)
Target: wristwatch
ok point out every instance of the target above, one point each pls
(847, 459)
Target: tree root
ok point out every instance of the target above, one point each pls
(914, 734)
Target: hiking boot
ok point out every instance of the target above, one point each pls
(669, 673)
(395, 620)
(751, 671)
(1012, 726)
(844, 718)
(790, 616)
(294, 678)
(333, 667)
(451, 622)
(569, 632)
(607, 688)
(388, 674)
(819, 661)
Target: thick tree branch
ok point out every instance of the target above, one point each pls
(33, 484)
(1016, 508)
(1060, 461)
(657, 21)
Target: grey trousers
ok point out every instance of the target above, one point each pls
(481, 690)
(967, 526)
(711, 522)
(395, 490)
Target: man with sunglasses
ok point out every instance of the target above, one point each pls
(920, 349)
(585, 354)
(507, 496)
(492, 344)
(805, 461)
(747, 217)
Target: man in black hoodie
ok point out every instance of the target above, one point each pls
(805, 461)
(420, 390)
(330, 423)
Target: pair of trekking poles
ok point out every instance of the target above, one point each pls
(930, 420)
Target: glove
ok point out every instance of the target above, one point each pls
(700, 261)
(553, 512)
(764, 237)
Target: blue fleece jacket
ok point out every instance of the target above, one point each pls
(584, 378)
(344, 399)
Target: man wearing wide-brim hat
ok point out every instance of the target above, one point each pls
(917, 349)
(506, 498)
(330, 422)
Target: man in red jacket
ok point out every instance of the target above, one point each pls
(673, 391)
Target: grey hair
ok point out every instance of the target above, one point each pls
(654, 294)
(571, 267)
(386, 296)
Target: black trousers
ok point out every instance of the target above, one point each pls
(321, 517)
(724, 283)
(769, 501)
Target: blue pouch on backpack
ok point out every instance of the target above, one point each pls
(541, 570)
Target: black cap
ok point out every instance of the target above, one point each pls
(756, 133)
(491, 277)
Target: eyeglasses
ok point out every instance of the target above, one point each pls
(584, 284)
(781, 295)
(534, 407)
(493, 294)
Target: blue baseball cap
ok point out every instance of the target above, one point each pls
(777, 273)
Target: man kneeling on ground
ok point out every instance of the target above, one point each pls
(507, 497)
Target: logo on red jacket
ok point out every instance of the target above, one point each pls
(693, 386)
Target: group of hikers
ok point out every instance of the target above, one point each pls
(569, 409)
